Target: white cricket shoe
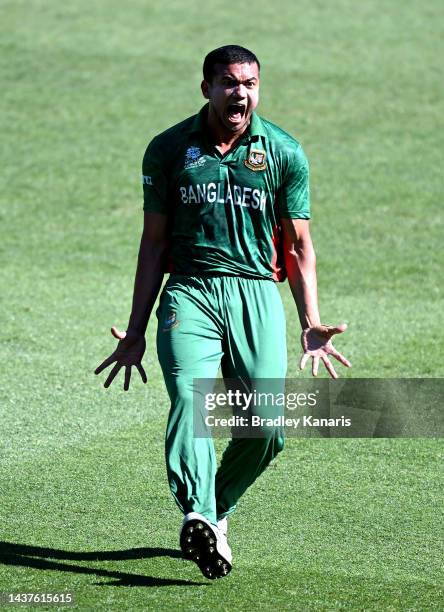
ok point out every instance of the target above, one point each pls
(222, 525)
(206, 545)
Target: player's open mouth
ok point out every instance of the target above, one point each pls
(235, 112)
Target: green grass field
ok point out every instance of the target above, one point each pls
(85, 507)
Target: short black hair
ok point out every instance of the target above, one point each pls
(228, 54)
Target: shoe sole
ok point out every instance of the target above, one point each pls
(198, 544)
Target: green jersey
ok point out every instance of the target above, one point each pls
(226, 210)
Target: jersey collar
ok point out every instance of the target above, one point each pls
(255, 129)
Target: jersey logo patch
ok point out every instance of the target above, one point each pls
(193, 158)
(170, 321)
(256, 160)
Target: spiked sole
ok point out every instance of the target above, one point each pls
(198, 544)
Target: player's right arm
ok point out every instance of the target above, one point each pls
(150, 267)
(150, 270)
(149, 276)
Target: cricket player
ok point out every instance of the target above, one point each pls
(226, 212)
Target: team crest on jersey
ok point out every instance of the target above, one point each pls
(256, 160)
(170, 321)
(193, 158)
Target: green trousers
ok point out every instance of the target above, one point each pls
(204, 323)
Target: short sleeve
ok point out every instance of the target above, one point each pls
(294, 195)
(154, 180)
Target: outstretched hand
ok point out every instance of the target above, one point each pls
(129, 352)
(317, 344)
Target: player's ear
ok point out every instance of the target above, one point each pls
(204, 88)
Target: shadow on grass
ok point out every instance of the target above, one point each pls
(37, 557)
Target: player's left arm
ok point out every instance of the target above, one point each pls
(300, 262)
